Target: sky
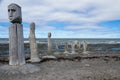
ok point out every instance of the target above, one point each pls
(66, 18)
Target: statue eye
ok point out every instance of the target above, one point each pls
(8, 10)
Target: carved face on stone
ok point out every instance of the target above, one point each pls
(14, 13)
(49, 34)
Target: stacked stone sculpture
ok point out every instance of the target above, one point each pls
(49, 43)
(33, 44)
(16, 41)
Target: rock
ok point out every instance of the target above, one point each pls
(16, 41)
(33, 44)
(49, 43)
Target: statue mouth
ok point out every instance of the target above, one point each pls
(10, 17)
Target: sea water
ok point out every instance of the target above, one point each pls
(89, 40)
(61, 42)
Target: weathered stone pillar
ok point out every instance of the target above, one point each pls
(73, 47)
(56, 48)
(16, 41)
(56, 45)
(49, 43)
(85, 47)
(33, 44)
(66, 47)
(78, 44)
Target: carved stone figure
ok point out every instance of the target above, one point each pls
(49, 43)
(66, 47)
(16, 41)
(73, 47)
(14, 13)
(56, 47)
(78, 44)
(85, 47)
(33, 44)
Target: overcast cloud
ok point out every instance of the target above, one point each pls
(81, 15)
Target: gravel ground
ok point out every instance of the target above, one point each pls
(85, 69)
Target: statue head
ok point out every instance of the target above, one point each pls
(14, 13)
(32, 26)
(49, 34)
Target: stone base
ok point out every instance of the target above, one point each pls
(86, 52)
(24, 69)
(35, 60)
(73, 52)
(66, 52)
(56, 52)
(49, 57)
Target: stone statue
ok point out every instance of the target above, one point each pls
(49, 43)
(66, 47)
(85, 47)
(16, 41)
(56, 45)
(78, 44)
(73, 47)
(49, 35)
(14, 13)
(33, 44)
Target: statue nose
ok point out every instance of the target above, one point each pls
(10, 13)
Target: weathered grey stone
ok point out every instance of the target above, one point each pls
(66, 47)
(16, 45)
(72, 43)
(56, 45)
(78, 44)
(49, 43)
(84, 47)
(14, 13)
(16, 41)
(73, 47)
(33, 44)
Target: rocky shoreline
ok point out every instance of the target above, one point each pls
(79, 69)
(96, 65)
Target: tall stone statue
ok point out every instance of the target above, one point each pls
(33, 44)
(16, 41)
(49, 43)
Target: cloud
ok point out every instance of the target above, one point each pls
(67, 10)
(78, 14)
(84, 26)
(0, 1)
